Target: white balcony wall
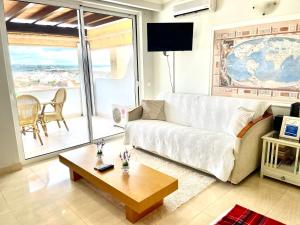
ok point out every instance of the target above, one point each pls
(115, 91)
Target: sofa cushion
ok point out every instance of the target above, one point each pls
(202, 149)
(208, 112)
(153, 110)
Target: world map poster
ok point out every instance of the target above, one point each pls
(261, 61)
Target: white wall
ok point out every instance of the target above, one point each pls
(193, 68)
(146, 64)
(9, 139)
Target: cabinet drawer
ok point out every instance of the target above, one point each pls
(292, 179)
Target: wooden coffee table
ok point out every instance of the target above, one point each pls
(141, 190)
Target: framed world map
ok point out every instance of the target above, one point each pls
(261, 61)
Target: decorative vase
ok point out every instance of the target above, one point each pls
(125, 157)
(100, 145)
(125, 167)
(99, 154)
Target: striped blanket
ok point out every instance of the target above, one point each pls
(243, 216)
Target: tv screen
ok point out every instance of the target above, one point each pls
(170, 36)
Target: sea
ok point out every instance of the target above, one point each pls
(41, 77)
(17, 68)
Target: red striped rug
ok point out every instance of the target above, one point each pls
(243, 216)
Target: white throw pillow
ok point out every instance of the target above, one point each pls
(240, 118)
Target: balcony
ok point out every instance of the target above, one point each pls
(47, 53)
(76, 119)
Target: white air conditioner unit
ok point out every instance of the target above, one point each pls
(192, 6)
(120, 115)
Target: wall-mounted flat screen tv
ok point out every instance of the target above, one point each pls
(170, 36)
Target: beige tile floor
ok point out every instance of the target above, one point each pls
(60, 138)
(42, 193)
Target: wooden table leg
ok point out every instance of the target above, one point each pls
(133, 216)
(74, 176)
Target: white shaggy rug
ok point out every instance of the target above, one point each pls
(190, 181)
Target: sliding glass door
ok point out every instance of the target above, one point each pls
(110, 51)
(48, 79)
(74, 73)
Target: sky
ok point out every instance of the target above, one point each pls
(37, 55)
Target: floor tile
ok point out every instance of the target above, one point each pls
(60, 138)
(18, 178)
(3, 205)
(201, 219)
(49, 213)
(8, 219)
(42, 193)
(255, 194)
(287, 208)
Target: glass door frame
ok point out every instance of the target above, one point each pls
(79, 7)
(86, 59)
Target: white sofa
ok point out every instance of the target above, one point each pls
(196, 133)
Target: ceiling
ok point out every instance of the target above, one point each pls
(158, 1)
(30, 17)
(155, 1)
(153, 5)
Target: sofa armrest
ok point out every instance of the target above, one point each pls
(252, 123)
(135, 114)
(247, 152)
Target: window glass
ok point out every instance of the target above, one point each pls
(111, 63)
(43, 68)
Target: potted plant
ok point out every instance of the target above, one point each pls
(125, 157)
(100, 146)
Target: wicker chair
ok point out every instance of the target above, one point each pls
(28, 110)
(57, 103)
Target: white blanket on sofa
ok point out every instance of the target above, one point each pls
(210, 151)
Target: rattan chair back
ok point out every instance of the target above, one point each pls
(28, 109)
(59, 100)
